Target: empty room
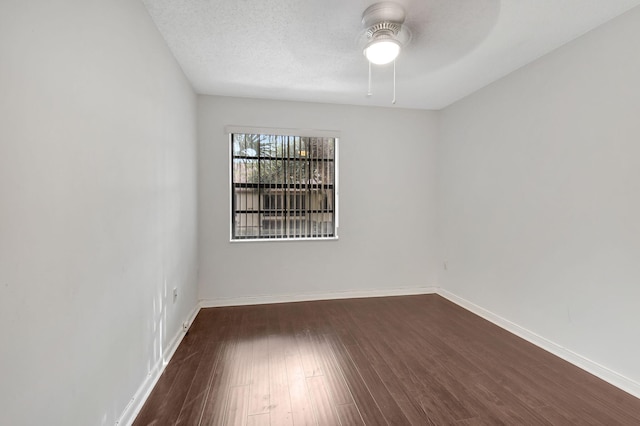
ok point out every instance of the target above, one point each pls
(408, 212)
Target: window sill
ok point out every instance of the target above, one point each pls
(278, 240)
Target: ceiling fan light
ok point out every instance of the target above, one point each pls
(382, 52)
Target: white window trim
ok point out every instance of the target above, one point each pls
(317, 133)
(231, 129)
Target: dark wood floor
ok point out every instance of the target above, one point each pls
(415, 360)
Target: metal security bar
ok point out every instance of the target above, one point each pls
(283, 187)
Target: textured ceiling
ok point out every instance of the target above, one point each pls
(312, 50)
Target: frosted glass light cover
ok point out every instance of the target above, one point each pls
(382, 52)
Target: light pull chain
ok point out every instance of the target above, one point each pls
(394, 83)
(369, 91)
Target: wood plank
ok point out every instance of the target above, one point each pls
(307, 354)
(301, 408)
(382, 361)
(383, 382)
(259, 391)
(259, 420)
(349, 415)
(237, 410)
(242, 363)
(503, 404)
(279, 399)
(214, 409)
(193, 406)
(332, 373)
(366, 403)
(322, 404)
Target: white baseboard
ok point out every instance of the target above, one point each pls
(135, 405)
(307, 297)
(630, 386)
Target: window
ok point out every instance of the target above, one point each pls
(283, 187)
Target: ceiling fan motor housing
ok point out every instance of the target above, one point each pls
(383, 20)
(383, 30)
(383, 11)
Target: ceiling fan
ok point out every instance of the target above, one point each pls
(384, 36)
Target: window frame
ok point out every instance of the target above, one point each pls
(231, 130)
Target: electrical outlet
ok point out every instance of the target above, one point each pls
(175, 294)
(185, 326)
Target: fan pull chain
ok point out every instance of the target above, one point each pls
(394, 82)
(369, 91)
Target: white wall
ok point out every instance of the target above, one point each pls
(387, 238)
(97, 207)
(539, 197)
